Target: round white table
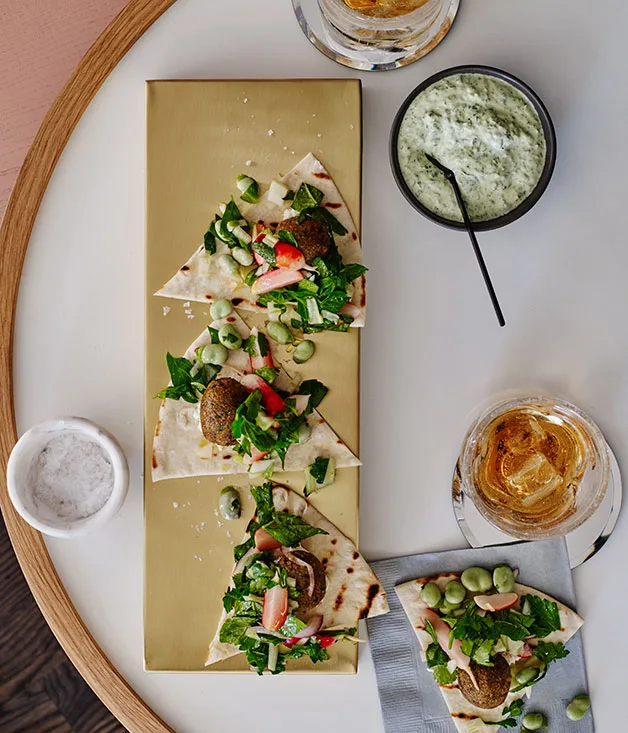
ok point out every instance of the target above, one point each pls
(432, 351)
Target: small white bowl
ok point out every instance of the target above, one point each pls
(42, 517)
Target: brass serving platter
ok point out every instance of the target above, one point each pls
(200, 136)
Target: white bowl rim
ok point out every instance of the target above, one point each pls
(110, 445)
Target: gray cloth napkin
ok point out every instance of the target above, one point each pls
(410, 699)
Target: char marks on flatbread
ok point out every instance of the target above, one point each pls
(466, 716)
(353, 591)
(180, 449)
(202, 280)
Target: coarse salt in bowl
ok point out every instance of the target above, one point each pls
(68, 476)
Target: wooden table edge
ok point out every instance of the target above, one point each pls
(15, 231)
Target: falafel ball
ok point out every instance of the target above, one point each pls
(313, 237)
(301, 575)
(493, 683)
(219, 403)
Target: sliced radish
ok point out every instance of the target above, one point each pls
(275, 279)
(526, 652)
(348, 309)
(289, 257)
(300, 402)
(325, 641)
(275, 609)
(453, 650)
(265, 541)
(256, 455)
(272, 402)
(496, 601)
(258, 361)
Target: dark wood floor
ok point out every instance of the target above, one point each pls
(40, 690)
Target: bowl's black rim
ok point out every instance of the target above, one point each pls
(548, 131)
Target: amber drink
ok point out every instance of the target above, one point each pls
(386, 28)
(535, 467)
(385, 8)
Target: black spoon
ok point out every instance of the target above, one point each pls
(451, 177)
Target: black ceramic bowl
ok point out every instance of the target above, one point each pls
(550, 144)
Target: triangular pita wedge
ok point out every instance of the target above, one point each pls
(201, 279)
(467, 717)
(353, 590)
(180, 449)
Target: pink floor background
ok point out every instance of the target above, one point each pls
(41, 41)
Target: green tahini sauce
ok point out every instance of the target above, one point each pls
(482, 128)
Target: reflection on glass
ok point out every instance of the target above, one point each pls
(387, 33)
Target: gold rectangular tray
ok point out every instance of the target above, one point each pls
(200, 136)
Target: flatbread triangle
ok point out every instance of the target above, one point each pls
(464, 715)
(353, 591)
(200, 278)
(180, 448)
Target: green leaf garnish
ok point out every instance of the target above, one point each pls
(266, 252)
(184, 385)
(317, 391)
(291, 530)
(307, 197)
(320, 213)
(233, 629)
(443, 676)
(268, 374)
(318, 469)
(288, 237)
(545, 615)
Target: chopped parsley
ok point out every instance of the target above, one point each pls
(513, 711)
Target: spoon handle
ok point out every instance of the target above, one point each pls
(478, 253)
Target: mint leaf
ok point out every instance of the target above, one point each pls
(353, 271)
(307, 197)
(233, 629)
(430, 630)
(288, 237)
(213, 333)
(291, 530)
(318, 469)
(183, 383)
(263, 496)
(246, 431)
(443, 676)
(434, 655)
(320, 213)
(268, 374)
(209, 239)
(292, 626)
(265, 251)
(239, 551)
(317, 391)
